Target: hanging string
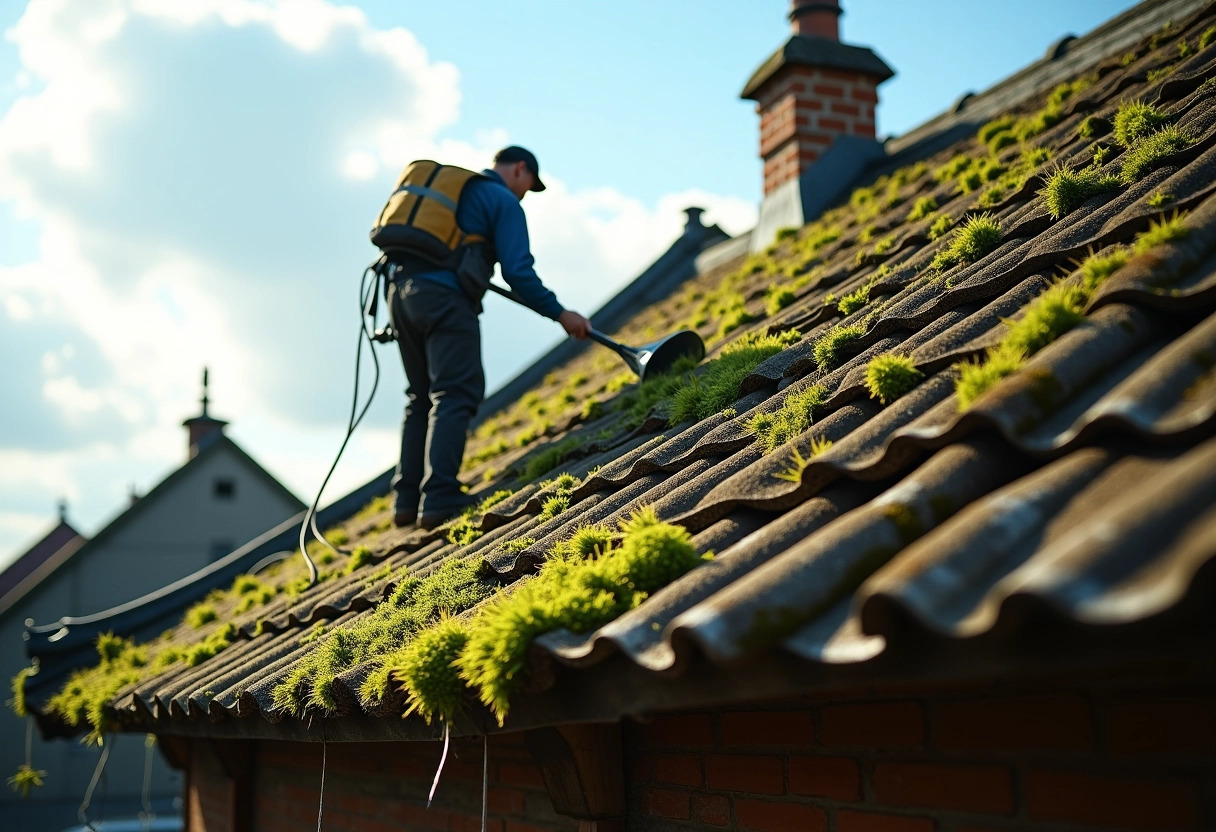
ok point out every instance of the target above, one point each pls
(442, 760)
(147, 815)
(485, 782)
(321, 802)
(82, 812)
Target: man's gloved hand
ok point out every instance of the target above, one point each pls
(576, 325)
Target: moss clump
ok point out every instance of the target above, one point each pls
(553, 506)
(572, 594)
(1134, 120)
(1052, 313)
(1045, 319)
(591, 410)
(426, 670)
(517, 545)
(1149, 153)
(941, 226)
(952, 169)
(855, 300)
(890, 376)
(195, 655)
(1068, 189)
(17, 685)
(1159, 199)
(995, 128)
(415, 603)
(200, 615)
(992, 197)
(1159, 233)
(26, 778)
(923, 207)
(972, 240)
(85, 696)
(1095, 269)
(977, 377)
(586, 542)
(1100, 152)
(787, 233)
(793, 418)
(777, 298)
(827, 348)
(358, 558)
(1208, 36)
(793, 472)
(1000, 141)
(717, 386)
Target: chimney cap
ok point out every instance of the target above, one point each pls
(823, 53)
(816, 17)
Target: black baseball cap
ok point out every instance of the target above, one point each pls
(515, 153)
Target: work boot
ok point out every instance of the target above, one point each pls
(401, 519)
(430, 520)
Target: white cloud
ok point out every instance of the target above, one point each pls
(202, 175)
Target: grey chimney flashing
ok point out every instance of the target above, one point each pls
(800, 200)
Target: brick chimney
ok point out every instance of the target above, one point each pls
(203, 429)
(811, 94)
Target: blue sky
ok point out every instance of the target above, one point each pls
(191, 183)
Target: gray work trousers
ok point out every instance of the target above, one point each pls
(440, 341)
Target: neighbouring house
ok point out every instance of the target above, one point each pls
(952, 451)
(219, 498)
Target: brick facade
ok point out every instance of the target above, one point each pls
(1090, 760)
(1098, 758)
(369, 787)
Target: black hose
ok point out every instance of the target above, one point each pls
(367, 297)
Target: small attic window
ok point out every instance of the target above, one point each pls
(224, 488)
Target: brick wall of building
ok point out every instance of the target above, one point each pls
(1096, 758)
(965, 762)
(371, 787)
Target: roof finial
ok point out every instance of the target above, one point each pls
(206, 400)
(63, 510)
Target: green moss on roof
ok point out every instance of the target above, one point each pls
(1057, 310)
(718, 385)
(1161, 232)
(1135, 120)
(855, 300)
(890, 376)
(923, 207)
(827, 348)
(1149, 153)
(570, 593)
(416, 602)
(791, 419)
(975, 238)
(1068, 189)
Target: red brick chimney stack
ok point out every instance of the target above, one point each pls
(820, 20)
(812, 91)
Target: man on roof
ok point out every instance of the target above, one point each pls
(435, 315)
